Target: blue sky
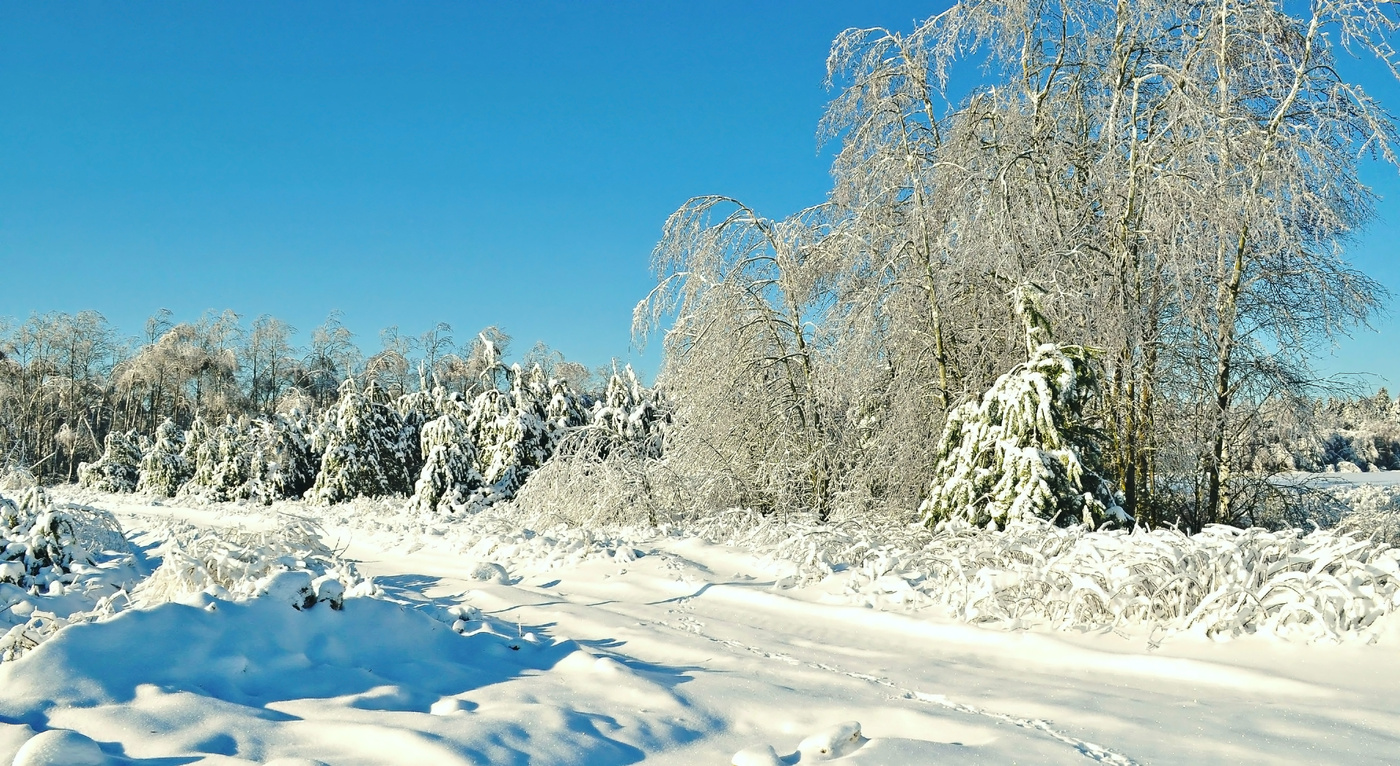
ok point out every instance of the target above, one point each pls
(473, 163)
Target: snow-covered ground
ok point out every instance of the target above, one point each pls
(476, 642)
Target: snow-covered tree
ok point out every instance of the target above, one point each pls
(449, 475)
(639, 415)
(164, 467)
(119, 468)
(222, 462)
(365, 454)
(281, 463)
(510, 435)
(1024, 449)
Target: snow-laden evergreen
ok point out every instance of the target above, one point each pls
(638, 415)
(449, 476)
(510, 435)
(223, 461)
(164, 467)
(365, 452)
(119, 468)
(1024, 449)
(282, 464)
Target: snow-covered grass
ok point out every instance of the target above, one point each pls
(504, 637)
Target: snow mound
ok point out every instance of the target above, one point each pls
(60, 747)
(375, 682)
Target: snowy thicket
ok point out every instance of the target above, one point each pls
(289, 561)
(119, 468)
(1222, 581)
(1023, 450)
(59, 565)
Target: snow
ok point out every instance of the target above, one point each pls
(487, 639)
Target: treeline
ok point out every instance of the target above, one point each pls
(69, 381)
(1329, 434)
(1137, 211)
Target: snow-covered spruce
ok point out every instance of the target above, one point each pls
(449, 475)
(510, 435)
(639, 415)
(119, 468)
(164, 467)
(222, 460)
(1024, 450)
(365, 452)
(281, 464)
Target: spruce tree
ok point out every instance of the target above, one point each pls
(365, 454)
(449, 475)
(164, 467)
(119, 468)
(1025, 448)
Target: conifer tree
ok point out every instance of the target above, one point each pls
(282, 465)
(119, 468)
(1025, 449)
(364, 451)
(449, 475)
(510, 435)
(164, 467)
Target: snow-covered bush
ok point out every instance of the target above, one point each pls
(40, 543)
(365, 454)
(1221, 582)
(119, 468)
(1024, 450)
(235, 564)
(164, 467)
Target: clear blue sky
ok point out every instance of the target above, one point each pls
(410, 163)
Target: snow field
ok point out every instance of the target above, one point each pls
(480, 640)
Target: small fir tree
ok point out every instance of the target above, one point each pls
(164, 467)
(510, 435)
(449, 475)
(119, 468)
(1025, 448)
(282, 463)
(365, 454)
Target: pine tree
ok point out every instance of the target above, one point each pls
(637, 415)
(365, 454)
(119, 468)
(282, 465)
(222, 461)
(164, 467)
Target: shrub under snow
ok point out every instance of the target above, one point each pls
(1223, 581)
(289, 562)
